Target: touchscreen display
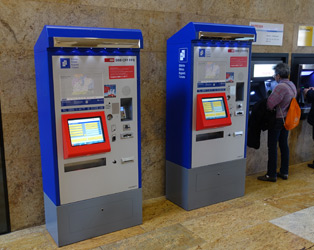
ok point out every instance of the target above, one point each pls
(263, 70)
(86, 131)
(214, 108)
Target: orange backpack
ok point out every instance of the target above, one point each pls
(293, 115)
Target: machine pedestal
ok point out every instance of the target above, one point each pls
(82, 220)
(203, 186)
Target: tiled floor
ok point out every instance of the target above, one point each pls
(269, 216)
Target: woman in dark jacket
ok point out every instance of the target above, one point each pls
(309, 94)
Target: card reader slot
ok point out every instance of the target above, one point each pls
(126, 135)
(84, 165)
(210, 136)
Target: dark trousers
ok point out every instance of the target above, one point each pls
(278, 134)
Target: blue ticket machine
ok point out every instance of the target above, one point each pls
(88, 94)
(207, 112)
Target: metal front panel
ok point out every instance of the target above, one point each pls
(307, 66)
(98, 83)
(76, 42)
(203, 186)
(221, 70)
(226, 36)
(94, 217)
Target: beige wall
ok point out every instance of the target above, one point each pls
(22, 21)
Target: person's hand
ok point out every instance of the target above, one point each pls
(305, 91)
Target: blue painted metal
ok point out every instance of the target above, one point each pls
(179, 105)
(47, 131)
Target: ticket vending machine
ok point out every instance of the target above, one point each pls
(262, 71)
(88, 94)
(302, 68)
(207, 113)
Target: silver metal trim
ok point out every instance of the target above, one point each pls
(307, 66)
(89, 42)
(225, 36)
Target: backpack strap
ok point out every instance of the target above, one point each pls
(291, 88)
(289, 104)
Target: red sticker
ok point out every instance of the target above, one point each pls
(238, 61)
(109, 59)
(121, 72)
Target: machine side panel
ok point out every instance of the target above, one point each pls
(46, 127)
(179, 104)
(139, 121)
(51, 218)
(177, 184)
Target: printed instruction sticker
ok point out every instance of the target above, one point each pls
(238, 61)
(121, 72)
(268, 33)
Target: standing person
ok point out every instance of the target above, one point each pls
(309, 95)
(280, 99)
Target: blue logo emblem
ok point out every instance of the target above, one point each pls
(201, 53)
(183, 55)
(65, 63)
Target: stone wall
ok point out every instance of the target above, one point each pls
(22, 21)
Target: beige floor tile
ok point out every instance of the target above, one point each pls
(222, 224)
(293, 202)
(172, 237)
(27, 239)
(96, 242)
(160, 212)
(261, 237)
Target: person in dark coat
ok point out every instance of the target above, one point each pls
(261, 119)
(309, 95)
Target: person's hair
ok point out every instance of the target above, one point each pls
(282, 69)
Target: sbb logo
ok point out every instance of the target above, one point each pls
(109, 59)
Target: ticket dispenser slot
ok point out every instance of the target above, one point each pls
(84, 165)
(126, 109)
(239, 91)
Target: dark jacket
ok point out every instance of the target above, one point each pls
(310, 99)
(260, 119)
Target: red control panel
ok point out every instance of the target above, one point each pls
(212, 111)
(84, 134)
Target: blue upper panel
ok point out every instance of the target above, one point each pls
(191, 30)
(45, 39)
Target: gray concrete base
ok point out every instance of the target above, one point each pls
(82, 220)
(203, 186)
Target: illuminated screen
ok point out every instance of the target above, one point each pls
(263, 70)
(214, 108)
(86, 131)
(306, 73)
